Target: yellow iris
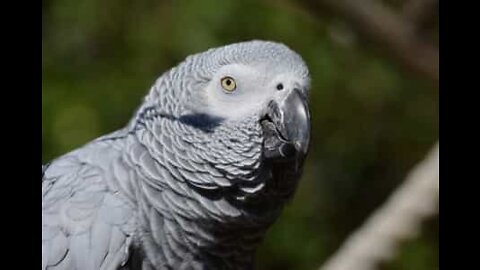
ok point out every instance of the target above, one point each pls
(229, 84)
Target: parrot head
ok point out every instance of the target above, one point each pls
(259, 81)
(257, 86)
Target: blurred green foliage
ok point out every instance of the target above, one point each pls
(371, 121)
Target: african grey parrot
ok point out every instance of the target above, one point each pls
(198, 175)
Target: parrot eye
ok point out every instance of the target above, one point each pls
(229, 84)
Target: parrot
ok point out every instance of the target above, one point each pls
(195, 178)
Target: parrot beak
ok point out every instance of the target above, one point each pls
(287, 127)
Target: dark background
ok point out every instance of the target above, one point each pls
(375, 114)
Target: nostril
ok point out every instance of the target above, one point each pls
(279, 86)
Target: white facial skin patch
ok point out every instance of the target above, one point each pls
(254, 88)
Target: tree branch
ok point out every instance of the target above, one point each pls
(398, 219)
(419, 11)
(381, 25)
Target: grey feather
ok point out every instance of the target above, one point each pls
(186, 184)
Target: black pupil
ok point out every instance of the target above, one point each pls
(279, 86)
(228, 82)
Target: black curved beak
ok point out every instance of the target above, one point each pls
(287, 127)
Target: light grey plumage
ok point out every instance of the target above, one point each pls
(196, 177)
